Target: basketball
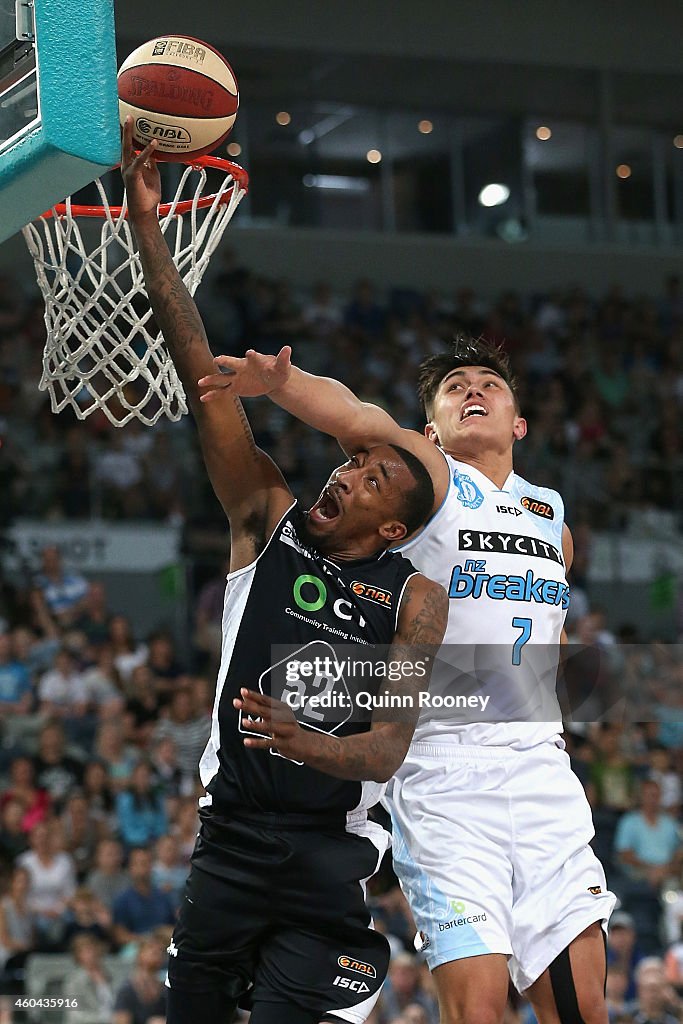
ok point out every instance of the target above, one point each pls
(181, 92)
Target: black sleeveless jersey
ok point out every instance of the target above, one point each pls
(284, 614)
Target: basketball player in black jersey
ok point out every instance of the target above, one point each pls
(274, 905)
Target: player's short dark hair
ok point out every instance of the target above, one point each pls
(419, 501)
(466, 351)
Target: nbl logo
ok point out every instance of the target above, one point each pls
(154, 130)
(349, 964)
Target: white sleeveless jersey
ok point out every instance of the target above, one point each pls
(498, 554)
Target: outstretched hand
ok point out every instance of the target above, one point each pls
(248, 377)
(140, 174)
(273, 723)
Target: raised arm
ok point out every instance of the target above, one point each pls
(246, 481)
(323, 403)
(377, 754)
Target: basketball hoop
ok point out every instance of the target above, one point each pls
(99, 353)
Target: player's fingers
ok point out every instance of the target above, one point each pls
(259, 744)
(145, 157)
(229, 364)
(261, 727)
(127, 141)
(216, 380)
(283, 359)
(209, 396)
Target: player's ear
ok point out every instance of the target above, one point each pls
(393, 531)
(431, 434)
(519, 428)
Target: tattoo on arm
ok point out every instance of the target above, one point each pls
(378, 753)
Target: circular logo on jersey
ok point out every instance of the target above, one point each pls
(468, 492)
(315, 596)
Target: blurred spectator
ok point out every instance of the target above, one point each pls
(15, 682)
(61, 691)
(141, 907)
(98, 793)
(108, 880)
(127, 653)
(17, 929)
(82, 831)
(64, 592)
(673, 964)
(209, 618)
(142, 996)
(169, 872)
(35, 802)
(403, 988)
(52, 881)
(656, 1002)
(186, 827)
(647, 840)
(86, 915)
(662, 771)
(56, 770)
(167, 776)
(364, 318)
(13, 837)
(95, 616)
(188, 727)
(322, 316)
(616, 987)
(140, 809)
(118, 756)
(89, 985)
(623, 954)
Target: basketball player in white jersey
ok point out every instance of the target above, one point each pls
(491, 826)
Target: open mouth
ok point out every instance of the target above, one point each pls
(327, 508)
(472, 410)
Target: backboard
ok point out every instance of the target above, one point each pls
(59, 125)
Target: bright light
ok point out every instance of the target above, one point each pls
(543, 133)
(494, 195)
(678, 141)
(336, 182)
(425, 127)
(283, 118)
(234, 149)
(623, 171)
(373, 156)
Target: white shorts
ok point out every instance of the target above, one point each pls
(491, 850)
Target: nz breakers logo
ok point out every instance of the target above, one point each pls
(311, 681)
(468, 492)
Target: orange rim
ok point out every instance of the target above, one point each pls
(239, 175)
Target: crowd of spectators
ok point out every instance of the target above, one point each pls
(101, 728)
(601, 380)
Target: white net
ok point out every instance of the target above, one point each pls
(102, 349)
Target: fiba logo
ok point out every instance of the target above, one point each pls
(154, 130)
(468, 492)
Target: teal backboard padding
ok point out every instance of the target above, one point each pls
(77, 137)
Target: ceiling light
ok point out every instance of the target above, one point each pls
(543, 133)
(283, 118)
(234, 149)
(425, 127)
(494, 194)
(678, 141)
(623, 171)
(373, 156)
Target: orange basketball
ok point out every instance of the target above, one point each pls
(181, 92)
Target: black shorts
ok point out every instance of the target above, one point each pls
(278, 912)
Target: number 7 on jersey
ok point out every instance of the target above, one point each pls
(525, 626)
